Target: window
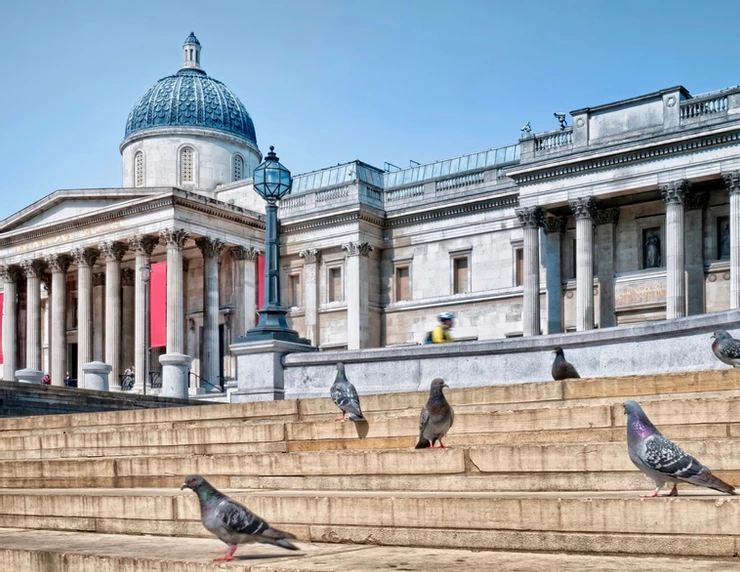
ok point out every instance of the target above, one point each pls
(187, 169)
(403, 284)
(238, 168)
(294, 290)
(460, 275)
(139, 169)
(723, 237)
(335, 285)
(519, 267)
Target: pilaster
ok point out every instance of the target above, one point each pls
(732, 184)
(209, 362)
(674, 194)
(583, 208)
(554, 226)
(357, 295)
(311, 260)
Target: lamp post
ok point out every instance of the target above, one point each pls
(272, 182)
(146, 274)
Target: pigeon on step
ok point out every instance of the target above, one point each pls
(344, 394)
(562, 369)
(232, 522)
(726, 348)
(662, 460)
(436, 417)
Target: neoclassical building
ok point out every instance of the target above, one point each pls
(629, 214)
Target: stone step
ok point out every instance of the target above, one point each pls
(702, 524)
(20, 551)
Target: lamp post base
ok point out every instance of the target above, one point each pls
(272, 326)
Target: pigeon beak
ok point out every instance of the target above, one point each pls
(183, 487)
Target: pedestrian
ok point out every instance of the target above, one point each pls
(441, 334)
(46, 379)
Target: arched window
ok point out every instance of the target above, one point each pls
(187, 167)
(139, 169)
(238, 168)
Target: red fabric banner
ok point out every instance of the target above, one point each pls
(2, 305)
(260, 282)
(158, 305)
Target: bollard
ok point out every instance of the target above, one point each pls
(29, 375)
(175, 375)
(96, 375)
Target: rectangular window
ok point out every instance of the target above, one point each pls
(723, 237)
(335, 285)
(460, 275)
(403, 285)
(519, 267)
(294, 290)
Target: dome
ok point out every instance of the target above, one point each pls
(191, 98)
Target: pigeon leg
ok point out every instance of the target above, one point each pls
(442, 445)
(651, 496)
(341, 418)
(674, 491)
(228, 556)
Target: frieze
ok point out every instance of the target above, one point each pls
(635, 292)
(66, 237)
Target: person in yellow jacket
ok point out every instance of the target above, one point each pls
(441, 334)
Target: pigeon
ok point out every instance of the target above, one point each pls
(344, 394)
(231, 522)
(562, 369)
(436, 417)
(726, 348)
(662, 460)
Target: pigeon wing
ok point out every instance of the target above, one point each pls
(346, 397)
(571, 371)
(731, 348)
(236, 518)
(667, 458)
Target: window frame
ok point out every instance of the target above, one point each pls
(464, 254)
(400, 265)
(329, 267)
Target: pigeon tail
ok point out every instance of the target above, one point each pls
(423, 443)
(278, 538)
(356, 418)
(706, 479)
(285, 544)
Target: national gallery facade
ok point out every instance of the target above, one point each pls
(628, 212)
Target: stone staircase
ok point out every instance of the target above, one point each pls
(533, 471)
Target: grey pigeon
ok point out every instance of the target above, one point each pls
(232, 522)
(726, 348)
(344, 394)
(436, 417)
(562, 369)
(662, 460)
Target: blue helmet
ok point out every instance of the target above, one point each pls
(446, 316)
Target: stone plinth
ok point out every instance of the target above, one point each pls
(96, 375)
(175, 367)
(29, 375)
(259, 368)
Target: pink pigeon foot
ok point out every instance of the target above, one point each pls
(228, 556)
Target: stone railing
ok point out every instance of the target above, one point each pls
(553, 140)
(373, 195)
(712, 104)
(405, 193)
(291, 203)
(332, 194)
(461, 181)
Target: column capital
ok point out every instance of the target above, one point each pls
(244, 253)
(606, 216)
(696, 201)
(358, 248)
(33, 268)
(209, 247)
(143, 244)
(10, 272)
(85, 256)
(583, 207)
(127, 276)
(58, 262)
(174, 237)
(530, 217)
(553, 224)
(674, 192)
(99, 279)
(310, 255)
(732, 182)
(113, 250)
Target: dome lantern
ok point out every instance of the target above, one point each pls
(191, 52)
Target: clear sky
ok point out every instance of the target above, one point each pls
(329, 81)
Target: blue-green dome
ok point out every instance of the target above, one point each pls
(190, 98)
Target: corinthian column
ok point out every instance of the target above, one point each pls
(531, 220)
(358, 303)
(128, 316)
(113, 252)
(59, 264)
(33, 269)
(209, 363)
(175, 240)
(311, 258)
(10, 275)
(674, 194)
(554, 227)
(732, 183)
(85, 258)
(245, 288)
(583, 208)
(143, 246)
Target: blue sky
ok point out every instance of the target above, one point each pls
(329, 81)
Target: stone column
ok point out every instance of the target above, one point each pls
(358, 303)
(694, 205)
(98, 316)
(85, 258)
(583, 209)
(732, 183)
(175, 240)
(311, 260)
(531, 218)
(128, 316)
(245, 288)
(554, 227)
(143, 246)
(10, 275)
(58, 264)
(33, 269)
(605, 262)
(113, 252)
(209, 360)
(674, 194)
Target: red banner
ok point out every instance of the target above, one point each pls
(260, 282)
(158, 305)
(2, 305)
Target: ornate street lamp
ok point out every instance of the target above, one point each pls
(272, 182)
